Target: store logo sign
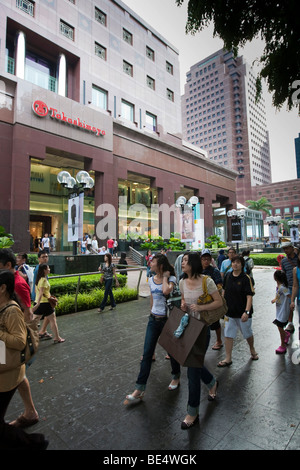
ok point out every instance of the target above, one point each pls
(41, 110)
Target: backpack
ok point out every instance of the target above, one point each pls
(29, 272)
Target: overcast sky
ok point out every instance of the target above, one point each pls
(169, 20)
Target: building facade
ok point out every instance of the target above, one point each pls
(284, 197)
(89, 85)
(220, 115)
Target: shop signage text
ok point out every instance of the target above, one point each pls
(41, 109)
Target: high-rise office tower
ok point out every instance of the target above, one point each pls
(220, 114)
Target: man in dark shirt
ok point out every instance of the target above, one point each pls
(215, 274)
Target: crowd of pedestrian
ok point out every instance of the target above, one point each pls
(25, 294)
(231, 277)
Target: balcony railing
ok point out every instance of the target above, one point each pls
(34, 76)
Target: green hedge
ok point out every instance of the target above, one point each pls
(265, 259)
(93, 299)
(68, 285)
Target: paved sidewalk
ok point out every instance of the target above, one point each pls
(79, 387)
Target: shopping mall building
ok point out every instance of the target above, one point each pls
(89, 85)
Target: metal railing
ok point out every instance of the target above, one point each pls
(123, 267)
(136, 256)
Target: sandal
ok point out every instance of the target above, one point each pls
(254, 357)
(224, 364)
(134, 399)
(60, 340)
(45, 335)
(212, 396)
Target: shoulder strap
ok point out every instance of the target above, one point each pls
(204, 284)
(9, 305)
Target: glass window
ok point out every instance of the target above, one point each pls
(99, 97)
(170, 94)
(100, 51)
(26, 5)
(151, 121)
(150, 53)
(150, 82)
(127, 36)
(67, 30)
(100, 16)
(127, 68)
(127, 110)
(169, 67)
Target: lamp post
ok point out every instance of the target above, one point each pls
(182, 203)
(75, 187)
(236, 216)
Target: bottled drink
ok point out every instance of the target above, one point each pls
(183, 323)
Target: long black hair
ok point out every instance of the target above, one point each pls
(194, 261)
(163, 262)
(41, 272)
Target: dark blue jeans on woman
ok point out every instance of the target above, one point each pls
(108, 292)
(153, 331)
(195, 375)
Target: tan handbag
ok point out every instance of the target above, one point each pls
(211, 316)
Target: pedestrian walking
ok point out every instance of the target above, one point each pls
(122, 263)
(191, 288)
(148, 259)
(238, 294)
(14, 335)
(282, 309)
(108, 271)
(214, 273)
(22, 294)
(296, 289)
(288, 263)
(161, 285)
(43, 308)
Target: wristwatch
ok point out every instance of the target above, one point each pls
(247, 311)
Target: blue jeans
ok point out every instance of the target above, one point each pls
(108, 292)
(153, 331)
(195, 375)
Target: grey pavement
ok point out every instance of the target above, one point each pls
(78, 387)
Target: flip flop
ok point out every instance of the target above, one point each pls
(224, 364)
(254, 357)
(217, 348)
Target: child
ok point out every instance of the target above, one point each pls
(282, 309)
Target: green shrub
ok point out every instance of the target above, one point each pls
(265, 259)
(90, 300)
(68, 285)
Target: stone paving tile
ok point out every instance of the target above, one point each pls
(79, 387)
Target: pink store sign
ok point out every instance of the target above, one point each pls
(42, 110)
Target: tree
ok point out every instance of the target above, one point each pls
(275, 21)
(261, 204)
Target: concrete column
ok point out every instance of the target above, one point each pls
(20, 55)
(62, 75)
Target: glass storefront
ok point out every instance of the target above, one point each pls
(135, 199)
(49, 205)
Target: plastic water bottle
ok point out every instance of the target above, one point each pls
(183, 323)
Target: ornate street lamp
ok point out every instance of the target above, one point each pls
(75, 187)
